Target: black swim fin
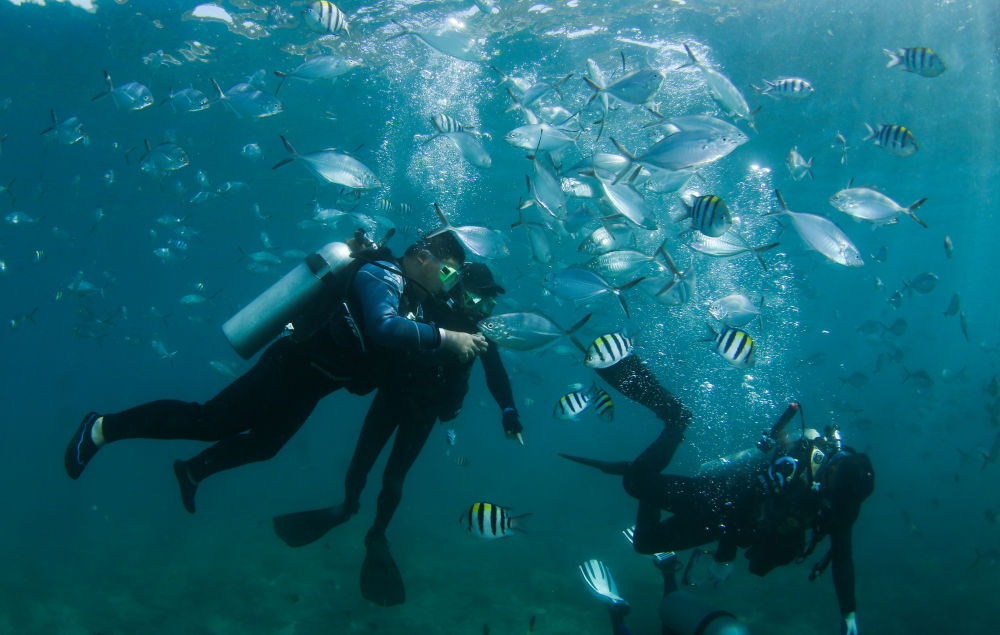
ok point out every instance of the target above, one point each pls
(301, 528)
(616, 468)
(381, 582)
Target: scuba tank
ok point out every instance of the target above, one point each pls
(265, 317)
(756, 456)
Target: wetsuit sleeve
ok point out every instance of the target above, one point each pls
(378, 290)
(843, 568)
(497, 379)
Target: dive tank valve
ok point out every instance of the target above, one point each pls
(265, 317)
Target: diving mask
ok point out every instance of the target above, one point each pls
(450, 277)
(477, 305)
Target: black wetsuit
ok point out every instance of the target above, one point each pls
(737, 507)
(418, 393)
(259, 412)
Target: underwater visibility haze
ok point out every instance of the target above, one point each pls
(773, 202)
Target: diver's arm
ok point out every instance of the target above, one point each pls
(498, 382)
(843, 570)
(378, 291)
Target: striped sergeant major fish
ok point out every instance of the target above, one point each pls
(607, 350)
(893, 138)
(489, 521)
(709, 214)
(788, 87)
(918, 59)
(571, 405)
(603, 405)
(325, 17)
(734, 345)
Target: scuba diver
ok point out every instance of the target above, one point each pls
(418, 393)
(763, 501)
(348, 306)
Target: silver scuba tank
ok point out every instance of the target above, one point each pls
(263, 319)
(744, 459)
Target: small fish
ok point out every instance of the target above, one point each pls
(525, 331)
(608, 350)
(165, 158)
(251, 151)
(225, 369)
(921, 379)
(187, 100)
(734, 345)
(896, 299)
(489, 521)
(325, 17)
(67, 133)
(334, 167)
(894, 138)
(161, 349)
(871, 205)
(247, 102)
(573, 404)
(20, 218)
(127, 96)
(709, 214)
(21, 319)
(919, 59)
(964, 324)
(735, 310)
(446, 123)
(898, 327)
(841, 142)
(449, 41)
(787, 87)
(603, 240)
(797, 165)
(855, 379)
(822, 235)
(321, 67)
(954, 305)
(482, 241)
(948, 247)
(870, 327)
(158, 59)
(924, 283)
(603, 405)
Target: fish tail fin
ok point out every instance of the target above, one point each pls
(444, 219)
(218, 90)
(281, 83)
(30, 315)
(583, 348)
(760, 314)
(712, 334)
(662, 251)
(52, 116)
(576, 327)
(909, 211)
(894, 59)
(692, 60)
(107, 81)
(781, 202)
(871, 134)
(809, 169)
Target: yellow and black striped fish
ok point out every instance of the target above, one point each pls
(325, 17)
(607, 350)
(735, 346)
(489, 521)
(710, 215)
(571, 405)
(603, 405)
(894, 138)
(918, 59)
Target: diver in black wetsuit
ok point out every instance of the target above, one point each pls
(350, 344)
(764, 504)
(419, 392)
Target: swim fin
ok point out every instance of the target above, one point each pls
(616, 468)
(381, 582)
(301, 528)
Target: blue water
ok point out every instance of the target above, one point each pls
(115, 553)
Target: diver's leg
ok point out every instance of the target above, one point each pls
(632, 378)
(694, 503)
(414, 429)
(380, 422)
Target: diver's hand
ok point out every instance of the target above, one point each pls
(512, 427)
(719, 572)
(464, 346)
(850, 625)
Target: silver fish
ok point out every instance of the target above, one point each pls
(525, 331)
(924, 283)
(471, 148)
(579, 285)
(187, 100)
(334, 167)
(482, 241)
(735, 310)
(627, 201)
(20, 218)
(247, 102)
(725, 246)
(448, 41)
(687, 149)
(127, 96)
(67, 132)
(537, 237)
(540, 136)
(163, 159)
(546, 188)
(636, 88)
(722, 89)
(871, 205)
(604, 239)
(619, 264)
(823, 236)
(321, 67)
(797, 165)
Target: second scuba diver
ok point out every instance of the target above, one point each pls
(418, 393)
